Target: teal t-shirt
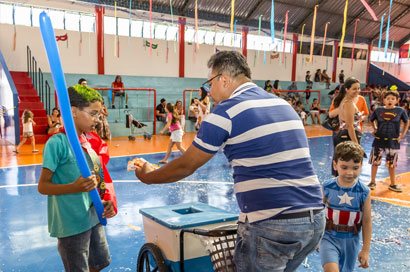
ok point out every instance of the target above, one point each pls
(68, 214)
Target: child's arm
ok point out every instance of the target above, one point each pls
(166, 126)
(363, 256)
(47, 187)
(405, 128)
(31, 120)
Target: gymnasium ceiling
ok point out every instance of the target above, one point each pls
(247, 13)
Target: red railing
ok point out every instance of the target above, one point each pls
(139, 89)
(183, 100)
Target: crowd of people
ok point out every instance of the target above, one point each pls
(282, 203)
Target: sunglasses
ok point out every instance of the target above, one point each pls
(207, 84)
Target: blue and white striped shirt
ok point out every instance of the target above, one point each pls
(265, 142)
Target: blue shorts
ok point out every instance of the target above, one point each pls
(85, 250)
(277, 244)
(343, 251)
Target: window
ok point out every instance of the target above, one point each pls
(109, 25)
(57, 18)
(147, 29)
(123, 26)
(6, 14)
(87, 23)
(136, 28)
(172, 33)
(72, 21)
(379, 56)
(160, 31)
(22, 16)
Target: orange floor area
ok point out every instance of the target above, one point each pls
(119, 147)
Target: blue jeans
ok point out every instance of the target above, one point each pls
(277, 244)
(85, 250)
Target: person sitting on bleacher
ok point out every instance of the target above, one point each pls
(326, 78)
(318, 76)
(160, 110)
(295, 96)
(315, 111)
(118, 84)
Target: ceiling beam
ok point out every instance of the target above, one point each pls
(253, 10)
(392, 22)
(353, 20)
(299, 25)
(183, 7)
(404, 40)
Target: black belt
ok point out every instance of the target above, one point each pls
(297, 214)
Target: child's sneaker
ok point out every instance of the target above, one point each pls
(395, 188)
(371, 185)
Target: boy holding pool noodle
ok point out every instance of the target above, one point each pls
(71, 215)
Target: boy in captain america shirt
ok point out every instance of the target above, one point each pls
(348, 209)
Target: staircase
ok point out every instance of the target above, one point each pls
(28, 99)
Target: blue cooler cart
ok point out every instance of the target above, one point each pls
(187, 237)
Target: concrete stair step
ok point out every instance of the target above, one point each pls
(37, 113)
(29, 98)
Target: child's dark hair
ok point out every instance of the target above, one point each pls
(193, 100)
(81, 80)
(393, 93)
(349, 150)
(171, 109)
(204, 94)
(82, 96)
(27, 114)
(347, 85)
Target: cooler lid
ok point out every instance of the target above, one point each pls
(187, 215)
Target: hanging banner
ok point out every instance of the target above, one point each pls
(343, 30)
(280, 52)
(81, 37)
(234, 34)
(312, 38)
(324, 39)
(354, 42)
(215, 38)
(284, 36)
(129, 24)
(232, 14)
(196, 25)
(274, 55)
(62, 38)
(15, 30)
(381, 35)
(369, 9)
(387, 32)
(301, 39)
(116, 29)
(259, 30)
(151, 45)
(150, 25)
(272, 22)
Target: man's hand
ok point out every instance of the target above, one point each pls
(85, 184)
(363, 258)
(399, 138)
(140, 172)
(108, 209)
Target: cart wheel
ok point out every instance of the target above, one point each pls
(150, 259)
(149, 137)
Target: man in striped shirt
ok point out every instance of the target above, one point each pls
(279, 195)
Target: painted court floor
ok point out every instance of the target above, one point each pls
(25, 244)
